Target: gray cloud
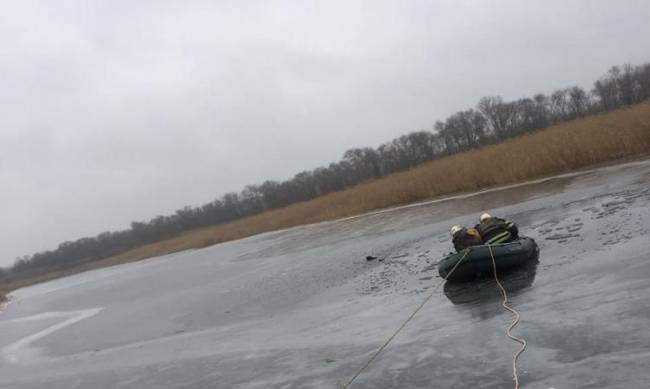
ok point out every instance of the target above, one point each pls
(119, 111)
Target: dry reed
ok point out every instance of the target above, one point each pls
(560, 148)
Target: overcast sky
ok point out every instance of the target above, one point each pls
(113, 111)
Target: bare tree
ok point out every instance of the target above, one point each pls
(493, 120)
(498, 115)
(578, 104)
(466, 128)
(365, 162)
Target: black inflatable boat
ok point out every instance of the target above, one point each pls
(477, 262)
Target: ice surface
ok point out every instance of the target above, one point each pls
(303, 308)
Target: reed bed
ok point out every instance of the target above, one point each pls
(560, 148)
(564, 147)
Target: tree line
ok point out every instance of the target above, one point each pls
(491, 120)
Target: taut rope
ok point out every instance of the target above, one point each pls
(504, 304)
(390, 339)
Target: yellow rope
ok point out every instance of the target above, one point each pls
(390, 339)
(504, 304)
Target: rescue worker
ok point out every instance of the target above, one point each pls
(465, 237)
(495, 230)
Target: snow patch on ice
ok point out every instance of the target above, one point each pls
(21, 350)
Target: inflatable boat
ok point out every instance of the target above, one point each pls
(485, 289)
(476, 261)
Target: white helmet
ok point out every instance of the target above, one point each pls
(485, 216)
(455, 229)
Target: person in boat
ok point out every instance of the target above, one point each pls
(495, 230)
(465, 237)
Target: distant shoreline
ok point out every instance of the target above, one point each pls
(602, 139)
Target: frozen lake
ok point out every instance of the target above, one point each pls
(302, 308)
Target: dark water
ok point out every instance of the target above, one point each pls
(302, 308)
